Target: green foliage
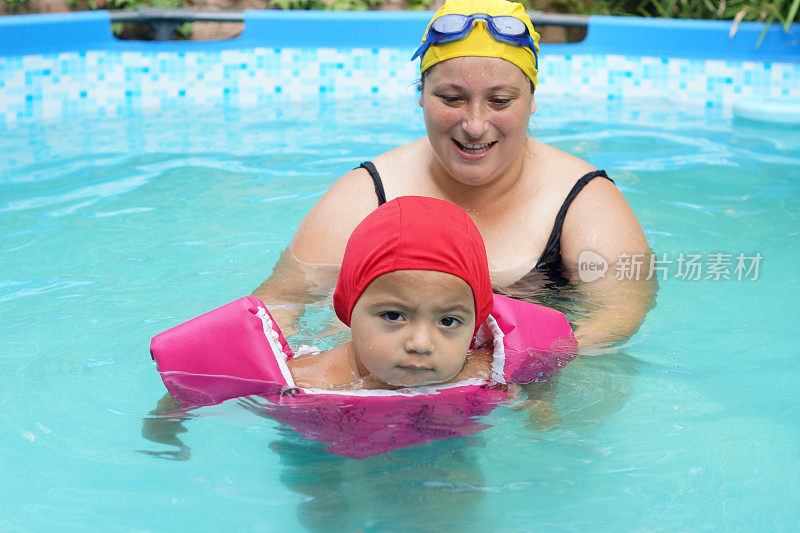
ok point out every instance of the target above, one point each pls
(337, 5)
(766, 11)
(184, 31)
(417, 5)
(355, 5)
(122, 4)
(782, 11)
(297, 4)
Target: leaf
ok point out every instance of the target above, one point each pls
(660, 9)
(737, 19)
(769, 20)
(791, 14)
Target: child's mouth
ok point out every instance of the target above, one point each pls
(415, 368)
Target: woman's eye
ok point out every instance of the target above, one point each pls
(501, 102)
(392, 316)
(449, 99)
(450, 322)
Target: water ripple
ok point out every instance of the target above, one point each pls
(13, 288)
(91, 192)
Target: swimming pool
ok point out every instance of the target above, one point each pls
(113, 230)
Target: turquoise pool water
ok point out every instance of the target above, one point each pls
(112, 231)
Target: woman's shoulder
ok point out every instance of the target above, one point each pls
(323, 233)
(565, 170)
(407, 160)
(598, 216)
(411, 149)
(557, 164)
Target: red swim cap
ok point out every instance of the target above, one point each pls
(414, 233)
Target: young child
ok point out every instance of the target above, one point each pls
(414, 287)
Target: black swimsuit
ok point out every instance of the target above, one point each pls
(551, 256)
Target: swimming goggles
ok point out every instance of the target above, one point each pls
(454, 27)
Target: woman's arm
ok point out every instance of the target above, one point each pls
(293, 285)
(306, 271)
(600, 228)
(616, 309)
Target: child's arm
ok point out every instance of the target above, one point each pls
(164, 429)
(329, 370)
(478, 365)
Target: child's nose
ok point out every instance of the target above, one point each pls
(419, 339)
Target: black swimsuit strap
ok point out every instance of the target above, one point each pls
(552, 251)
(376, 180)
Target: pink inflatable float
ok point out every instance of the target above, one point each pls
(237, 350)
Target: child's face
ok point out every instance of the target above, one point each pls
(413, 327)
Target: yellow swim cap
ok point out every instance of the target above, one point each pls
(478, 43)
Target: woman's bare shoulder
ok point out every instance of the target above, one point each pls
(402, 154)
(404, 170)
(323, 233)
(601, 220)
(557, 164)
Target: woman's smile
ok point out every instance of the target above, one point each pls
(474, 151)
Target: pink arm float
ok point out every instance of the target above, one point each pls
(238, 350)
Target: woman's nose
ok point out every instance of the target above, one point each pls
(475, 121)
(419, 339)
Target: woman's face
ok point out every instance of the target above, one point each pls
(476, 113)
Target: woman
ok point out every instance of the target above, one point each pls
(478, 75)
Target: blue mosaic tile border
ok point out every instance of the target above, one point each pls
(108, 83)
(712, 82)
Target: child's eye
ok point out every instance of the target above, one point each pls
(392, 316)
(450, 322)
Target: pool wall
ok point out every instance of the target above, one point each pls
(59, 65)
